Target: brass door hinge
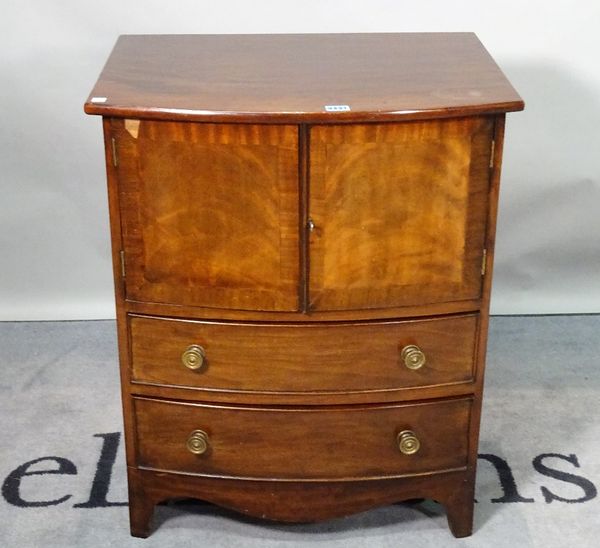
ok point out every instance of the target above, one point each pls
(122, 259)
(484, 262)
(492, 153)
(115, 160)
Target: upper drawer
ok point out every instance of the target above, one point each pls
(314, 357)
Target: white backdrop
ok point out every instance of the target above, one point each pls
(54, 244)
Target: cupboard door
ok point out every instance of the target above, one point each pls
(399, 212)
(209, 213)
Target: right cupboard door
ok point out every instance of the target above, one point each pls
(398, 212)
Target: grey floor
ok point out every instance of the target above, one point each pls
(59, 391)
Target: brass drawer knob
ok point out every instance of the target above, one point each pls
(193, 357)
(408, 443)
(197, 442)
(413, 356)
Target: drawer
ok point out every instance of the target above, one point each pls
(353, 442)
(315, 357)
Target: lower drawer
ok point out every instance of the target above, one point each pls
(354, 442)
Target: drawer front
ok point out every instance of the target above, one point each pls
(303, 358)
(302, 443)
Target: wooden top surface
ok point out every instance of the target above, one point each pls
(290, 78)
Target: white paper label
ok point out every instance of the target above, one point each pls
(337, 108)
(98, 99)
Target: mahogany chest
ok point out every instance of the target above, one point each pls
(302, 233)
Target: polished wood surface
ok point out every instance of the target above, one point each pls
(399, 212)
(307, 316)
(311, 443)
(263, 397)
(209, 213)
(315, 358)
(291, 78)
(119, 285)
(494, 191)
(287, 500)
(303, 250)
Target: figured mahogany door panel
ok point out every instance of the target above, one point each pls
(209, 213)
(302, 358)
(301, 443)
(399, 212)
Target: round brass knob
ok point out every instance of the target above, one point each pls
(197, 442)
(413, 356)
(408, 443)
(193, 357)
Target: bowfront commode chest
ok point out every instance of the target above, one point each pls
(302, 233)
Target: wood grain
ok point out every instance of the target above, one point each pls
(304, 391)
(289, 78)
(314, 358)
(302, 443)
(246, 397)
(490, 236)
(400, 212)
(119, 285)
(206, 313)
(210, 214)
(293, 502)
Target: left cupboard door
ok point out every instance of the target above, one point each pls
(209, 213)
